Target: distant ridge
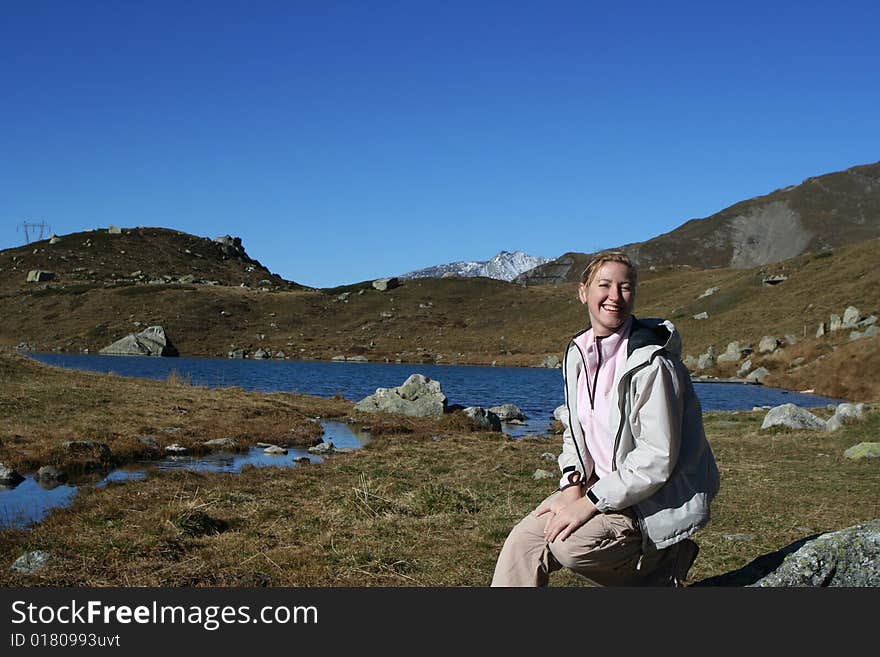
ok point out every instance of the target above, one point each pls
(821, 213)
(504, 266)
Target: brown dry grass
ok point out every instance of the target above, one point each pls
(423, 504)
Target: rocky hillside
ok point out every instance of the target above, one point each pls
(131, 256)
(823, 212)
(504, 266)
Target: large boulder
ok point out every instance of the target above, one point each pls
(384, 284)
(792, 417)
(9, 477)
(418, 396)
(38, 276)
(851, 317)
(863, 451)
(151, 341)
(849, 557)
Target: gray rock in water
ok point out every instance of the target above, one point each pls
(31, 562)
(793, 417)
(849, 557)
(50, 474)
(151, 341)
(863, 451)
(176, 449)
(9, 477)
(326, 447)
(275, 450)
(508, 412)
(486, 418)
(418, 396)
(758, 375)
(384, 284)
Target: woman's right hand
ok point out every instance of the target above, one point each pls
(556, 503)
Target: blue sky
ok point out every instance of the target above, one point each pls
(344, 141)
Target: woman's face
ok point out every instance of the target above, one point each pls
(610, 298)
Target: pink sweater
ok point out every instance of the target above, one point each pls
(595, 392)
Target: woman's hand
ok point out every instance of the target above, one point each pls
(557, 502)
(563, 521)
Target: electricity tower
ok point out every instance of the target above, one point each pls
(43, 226)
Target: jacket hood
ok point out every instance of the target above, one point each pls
(654, 332)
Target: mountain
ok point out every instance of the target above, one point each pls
(821, 213)
(128, 256)
(505, 266)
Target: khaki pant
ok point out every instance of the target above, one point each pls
(606, 550)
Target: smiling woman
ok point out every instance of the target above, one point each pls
(637, 472)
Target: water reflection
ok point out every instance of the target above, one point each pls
(31, 500)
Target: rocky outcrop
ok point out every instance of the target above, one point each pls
(384, 284)
(9, 477)
(151, 341)
(39, 276)
(231, 246)
(508, 413)
(792, 417)
(849, 557)
(418, 396)
(863, 451)
(485, 418)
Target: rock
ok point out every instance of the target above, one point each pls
(114, 230)
(31, 562)
(691, 362)
(101, 450)
(732, 354)
(835, 324)
(862, 451)
(709, 292)
(262, 354)
(543, 474)
(275, 450)
(871, 331)
(774, 280)
(849, 557)
(767, 344)
(850, 411)
(279, 355)
(236, 353)
(793, 417)
(551, 362)
(322, 448)
(486, 418)
(9, 477)
(38, 276)
(357, 359)
(851, 317)
(868, 321)
(739, 537)
(797, 362)
(221, 443)
(54, 239)
(508, 412)
(176, 449)
(706, 361)
(855, 335)
(758, 375)
(384, 284)
(821, 330)
(790, 339)
(149, 441)
(230, 246)
(449, 274)
(50, 474)
(302, 459)
(547, 456)
(152, 341)
(744, 368)
(702, 315)
(418, 396)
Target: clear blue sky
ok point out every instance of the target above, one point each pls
(344, 141)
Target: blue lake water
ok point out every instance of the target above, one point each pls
(537, 391)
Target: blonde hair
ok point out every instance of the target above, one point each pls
(600, 259)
